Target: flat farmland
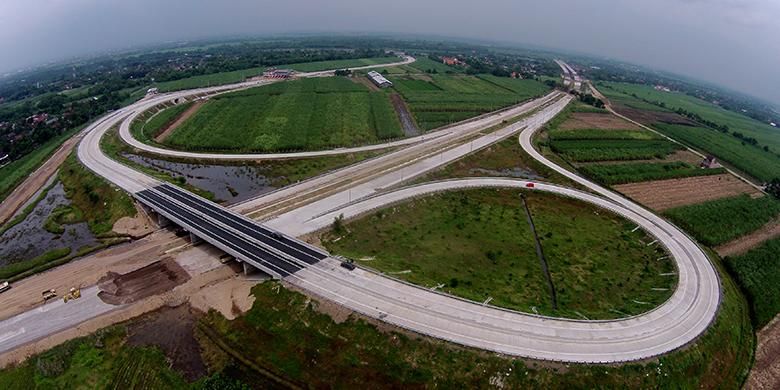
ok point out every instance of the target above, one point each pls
(765, 134)
(719, 221)
(340, 64)
(306, 114)
(754, 161)
(665, 194)
(611, 174)
(440, 99)
(612, 149)
(589, 120)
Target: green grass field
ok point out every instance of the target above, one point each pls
(440, 99)
(758, 272)
(613, 150)
(425, 64)
(719, 221)
(340, 64)
(754, 161)
(763, 132)
(587, 134)
(610, 174)
(479, 245)
(306, 114)
(100, 203)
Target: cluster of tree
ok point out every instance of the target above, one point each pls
(587, 98)
(773, 187)
(342, 72)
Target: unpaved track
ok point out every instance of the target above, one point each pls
(765, 374)
(745, 243)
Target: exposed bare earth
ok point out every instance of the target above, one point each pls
(743, 244)
(647, 117)
(35, 181)
(666, 194)
(183, 117)
(592, 120)
(135, 227)
(26, 293)
(153, 279)
(766, 369)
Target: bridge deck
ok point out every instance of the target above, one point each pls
(247, 240)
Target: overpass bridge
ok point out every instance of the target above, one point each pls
(248, 241)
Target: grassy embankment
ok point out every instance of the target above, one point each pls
(439, 99)
(146, 128)
(284, 333)
(102, 360)
(754, 161)
(722, 220)
(479, 245)
(306, 114)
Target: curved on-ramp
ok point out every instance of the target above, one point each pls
(672, 325)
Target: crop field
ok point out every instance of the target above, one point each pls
(722, 220)
(635, 172)
(752, 160)
(765, 134)
(478, 244)
(578, 120)
(306, 114)
(210, 80)
(428, 65)
(758, 272)
(584, 134)
(451, 98)
(612, 150)
(671, 193)
(339, 64)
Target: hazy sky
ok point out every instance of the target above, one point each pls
(735, 43)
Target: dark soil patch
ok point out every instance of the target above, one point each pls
(647, 118)
(152, 279)
(407, 122)
(172, 329)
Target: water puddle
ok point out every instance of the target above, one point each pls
(229, 183)
(28, 239)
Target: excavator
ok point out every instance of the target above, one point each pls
(74, 293)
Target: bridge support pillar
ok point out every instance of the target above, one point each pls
(248, 269)
(162, 221)
(194, 239)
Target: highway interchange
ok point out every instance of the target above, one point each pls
(312, 204)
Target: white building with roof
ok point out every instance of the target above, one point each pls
(379, 80)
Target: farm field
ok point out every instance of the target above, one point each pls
(613, 149)
(587, 120)
(427, 65)
(339, 64)
(665, 194)
(765, 134)
(306, 114)
(758, 272)
(243, 74)
(610, 174)
(478, 245)
(721, 220)
(749, 159)
(740, 245)
(436, 100)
